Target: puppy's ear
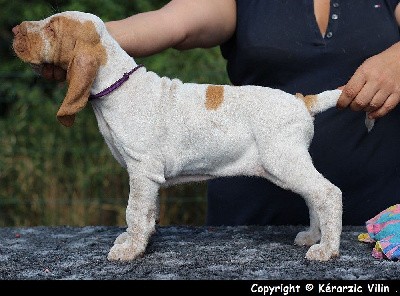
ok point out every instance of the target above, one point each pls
(81, 74)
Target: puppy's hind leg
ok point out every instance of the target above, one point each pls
(290, 166)
(327, 200)
(141, 214)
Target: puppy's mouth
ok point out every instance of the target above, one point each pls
(21, 48)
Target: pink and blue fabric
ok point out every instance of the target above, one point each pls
(384, 231)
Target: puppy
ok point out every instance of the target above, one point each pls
(165, 132)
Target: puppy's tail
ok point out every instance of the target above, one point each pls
(325, 100)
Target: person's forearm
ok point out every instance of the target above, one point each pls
(143, 34)
(181, 24)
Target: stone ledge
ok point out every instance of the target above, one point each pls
(183, 253)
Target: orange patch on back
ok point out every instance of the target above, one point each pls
(308, 100)
(214, 97)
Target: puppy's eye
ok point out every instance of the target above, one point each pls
(49, 30)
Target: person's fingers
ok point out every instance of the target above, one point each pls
(391, 102)
(47, 71)
(59, 74)
(351, 89)
(364, 97)
(377, 101)
(52, 72)
(375, 86)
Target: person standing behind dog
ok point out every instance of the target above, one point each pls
(299, 46)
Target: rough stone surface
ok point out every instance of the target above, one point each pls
(183, 253)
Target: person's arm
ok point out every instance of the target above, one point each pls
(375, 86)
(181, 24)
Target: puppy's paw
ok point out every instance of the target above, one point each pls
(126, 251)
(121, 238)
(307, 238)
(320, 252)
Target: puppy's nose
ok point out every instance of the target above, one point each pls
(15, 30)
(22, 28)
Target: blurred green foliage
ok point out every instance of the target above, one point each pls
(52, 175)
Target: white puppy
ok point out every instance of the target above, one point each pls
(166, 132)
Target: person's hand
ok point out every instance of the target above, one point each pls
(375, 86)
(50, 72)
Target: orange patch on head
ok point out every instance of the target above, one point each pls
(214, 96)
(308, 100)
(64, 35)
(74, 46)
(72, 35)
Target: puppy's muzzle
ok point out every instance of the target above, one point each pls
(19, 44)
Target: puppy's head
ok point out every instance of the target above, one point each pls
(72, 41)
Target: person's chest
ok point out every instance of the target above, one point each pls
(294, 26)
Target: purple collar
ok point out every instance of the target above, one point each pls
(115, 85)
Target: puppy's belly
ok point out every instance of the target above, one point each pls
(237, 161)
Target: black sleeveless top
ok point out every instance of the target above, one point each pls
(278, 44)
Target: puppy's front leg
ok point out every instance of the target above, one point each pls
(141, 214)
(313, 234)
